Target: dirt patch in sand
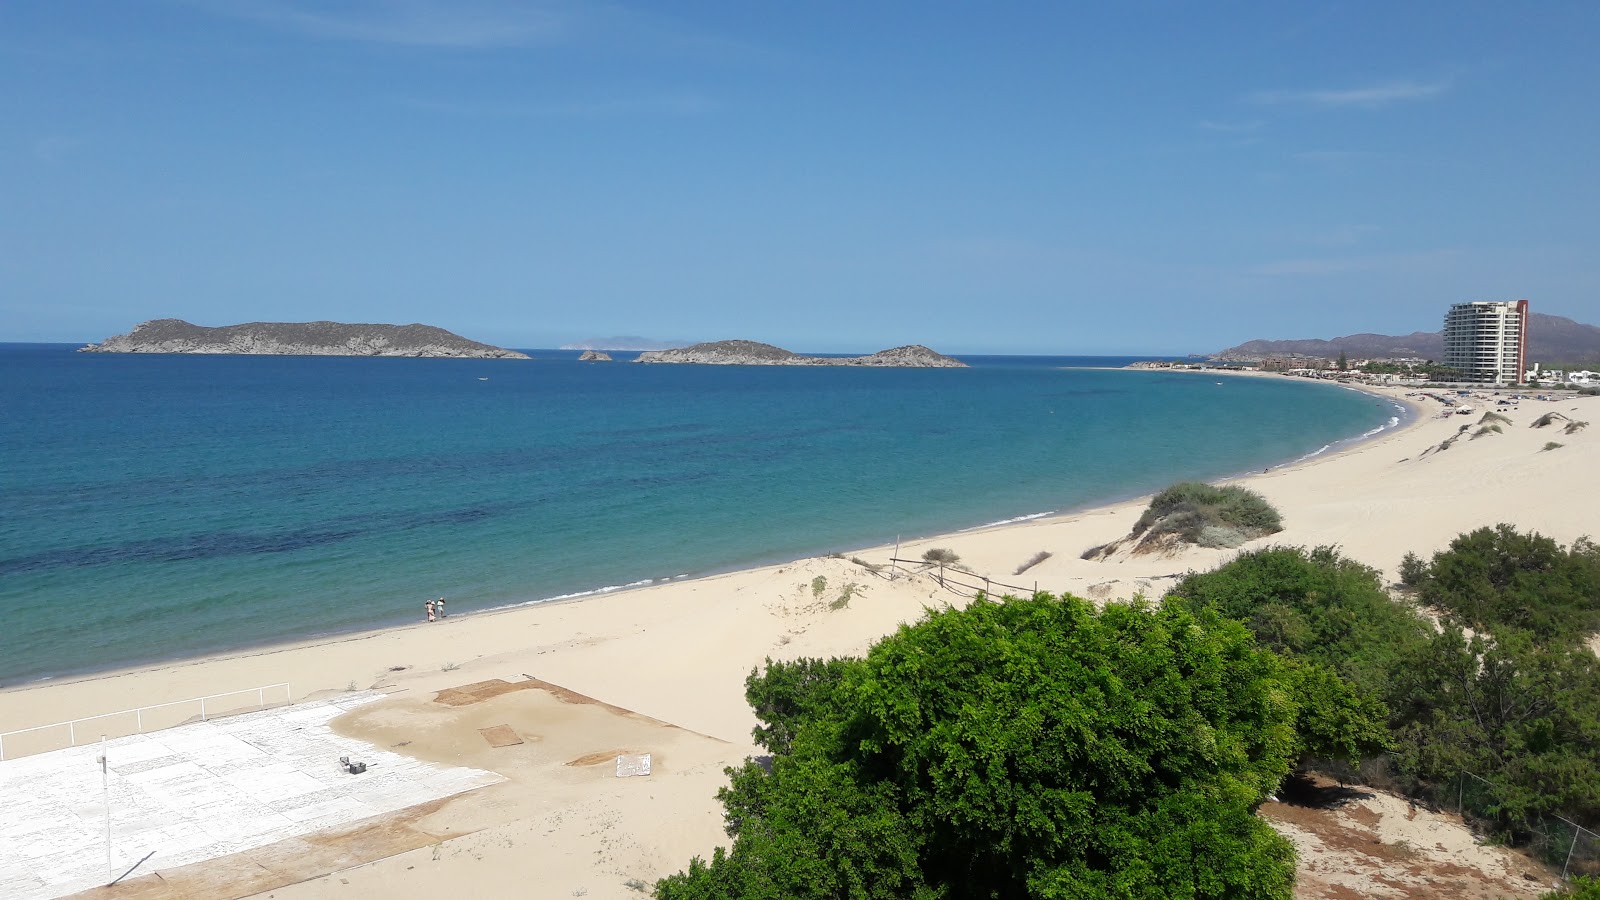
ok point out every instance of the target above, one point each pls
(478, 691)
(599, 757)
(1358, 843)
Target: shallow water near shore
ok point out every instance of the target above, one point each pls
(156, 507)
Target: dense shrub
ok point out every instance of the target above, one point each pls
(1030, 748)
(1211, 516)
(1314, 604)
(1522, 716)
(1499, 577)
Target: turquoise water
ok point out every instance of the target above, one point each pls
(154, 507)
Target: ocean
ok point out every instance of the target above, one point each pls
(159, 507)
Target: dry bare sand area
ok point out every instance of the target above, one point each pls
(548, 696)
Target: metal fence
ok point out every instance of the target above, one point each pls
(57, 735)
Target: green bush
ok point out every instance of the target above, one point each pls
(1581, 888)
(1313, 604)
(1031, 748)
(1499, 577)
(1199, 513)
(1522, 716)
(1412, 570)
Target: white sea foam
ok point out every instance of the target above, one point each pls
(1393, 421)
(579, 594)
(1027, 518)
(1317, 452)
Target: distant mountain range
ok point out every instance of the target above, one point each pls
(627, 342)
(1552, 341)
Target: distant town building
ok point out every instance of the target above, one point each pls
(1487, 340)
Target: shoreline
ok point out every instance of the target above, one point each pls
(331, 639)
(661, 669)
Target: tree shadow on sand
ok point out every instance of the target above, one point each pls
(1313, 791)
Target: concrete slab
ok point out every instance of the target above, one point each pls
(199, 791)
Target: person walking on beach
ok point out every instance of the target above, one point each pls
(430, 610)
(439, 605)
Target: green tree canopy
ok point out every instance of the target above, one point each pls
(1030, 748)
(1522, 716)
(1314, 604)
(1501, 577)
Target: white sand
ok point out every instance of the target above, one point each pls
(679, 652)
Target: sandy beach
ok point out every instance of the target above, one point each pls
(660, 670)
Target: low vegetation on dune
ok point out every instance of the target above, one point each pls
(1210, 516)
(1034, 560)
(1193, 512)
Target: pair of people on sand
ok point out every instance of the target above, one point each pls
(435, 609)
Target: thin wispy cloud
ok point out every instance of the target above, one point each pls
(1372, 97)
(463, 24)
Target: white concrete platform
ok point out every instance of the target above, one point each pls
(199, 791)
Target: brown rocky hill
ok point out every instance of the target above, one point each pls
(1552, 340)
(298, 339)
(755, 353)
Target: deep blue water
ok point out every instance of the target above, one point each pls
(154, 507)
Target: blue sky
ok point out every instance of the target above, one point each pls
(1043, 177)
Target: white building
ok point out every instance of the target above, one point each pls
(1487, 340)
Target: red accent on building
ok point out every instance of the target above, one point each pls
(1522, 342)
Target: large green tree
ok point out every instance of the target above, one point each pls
(1316, 605)
(1499, 577)
(1028, 748)
(1522, 717)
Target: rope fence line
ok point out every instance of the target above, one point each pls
(138, 716)
(950, 581)
(946, 579)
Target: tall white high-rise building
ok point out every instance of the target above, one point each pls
(1487, 340)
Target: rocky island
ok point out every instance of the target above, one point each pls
(299, 339)
(595, 356)
(754, 353)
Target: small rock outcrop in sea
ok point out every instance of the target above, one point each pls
(298, 339)
(594, 356)
(754, 353)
